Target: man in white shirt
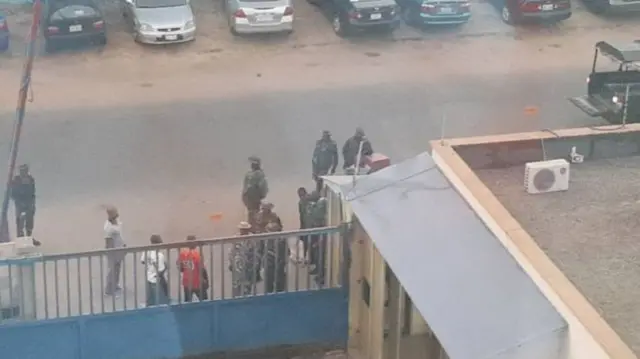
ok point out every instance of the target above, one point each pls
(113, 239)
(156, 266)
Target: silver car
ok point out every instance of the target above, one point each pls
(259, 16)
(160, 21)
(613, 6)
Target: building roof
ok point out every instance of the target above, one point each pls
(581, 245)
(470, 290)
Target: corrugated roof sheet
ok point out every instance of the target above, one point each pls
(472, 292)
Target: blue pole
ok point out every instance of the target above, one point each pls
(20, 111)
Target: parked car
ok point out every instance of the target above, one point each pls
(350, 15)
(520, 11)
(70, 21)
(435, 12)
(259, 16)
(160, 21)
(4, 34)
(612, 6)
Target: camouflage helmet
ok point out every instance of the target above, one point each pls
(255, 159)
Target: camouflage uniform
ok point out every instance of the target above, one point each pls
(351, 147)
(254, 189)
(242, 263)
(325, 158)
(275, 261)
(318, 218)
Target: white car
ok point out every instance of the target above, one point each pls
(259, 16)
(160, 21)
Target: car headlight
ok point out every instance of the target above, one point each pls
(615, 99)
(189, 25)
(145, 27)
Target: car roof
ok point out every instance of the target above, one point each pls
(623, 52)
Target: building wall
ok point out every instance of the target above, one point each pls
(317, 317)
(582, 344)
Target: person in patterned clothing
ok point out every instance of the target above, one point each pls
(275, 274)
(254, 189)
(242, 263)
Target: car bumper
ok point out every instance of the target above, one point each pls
(243, 26)
(444, 19)
(555, 15)
(68, 38)
(379, 23)
(160, 38)
(623, 6)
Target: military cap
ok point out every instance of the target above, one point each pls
(244, 225)
(255, 159)
(326, 133)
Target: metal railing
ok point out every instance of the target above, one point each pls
(64, 285)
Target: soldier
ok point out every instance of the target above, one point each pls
(325, 158)
(276, 261)
(254, 189)
(23, 193)
(318, 219)
(266, 217)
(351, 147)
(242, 262)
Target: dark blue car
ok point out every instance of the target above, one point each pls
(4, 34)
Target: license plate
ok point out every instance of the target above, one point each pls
(446, 10)
(376, 16)
(547, 7)
(264, 18)
(75, 28)
(171, 37)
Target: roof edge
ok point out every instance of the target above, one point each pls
(536, 135)
(518, 241)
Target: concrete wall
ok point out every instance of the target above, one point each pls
(300, 318)
(590, 337)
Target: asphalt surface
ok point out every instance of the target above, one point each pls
(170, 151)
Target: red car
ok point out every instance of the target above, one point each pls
(520, 11)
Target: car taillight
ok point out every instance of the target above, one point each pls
(98, 24)
(240, 14)
(530, 7)
(353, 14)
(288, 11)
(427, 8)
(53, 29)
(3, 25)
(465, 5)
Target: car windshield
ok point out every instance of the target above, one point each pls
(159, 3)
(60, 4)
(72, 12)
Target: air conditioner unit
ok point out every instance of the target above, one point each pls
(546, 176)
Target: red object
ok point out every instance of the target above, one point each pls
(191, 267)
(4, 26)
(53, 29)
(288, 11)
(530, 7)
(98, 24)
(377, 161)
(428, 8)
(240, 14)
(353, 14)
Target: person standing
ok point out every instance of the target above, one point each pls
(325, 158)
(318, 218)
(157, 288)
(113, 240)
(275, 274)
(195, 279)
(352, 146)
(303, 213)
(254, 189)
(23, 193)
(242, 263)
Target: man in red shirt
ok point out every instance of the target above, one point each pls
(195, 279)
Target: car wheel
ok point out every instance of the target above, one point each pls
(339, 27)
(507, 16)
(49, 47)
(407, 16)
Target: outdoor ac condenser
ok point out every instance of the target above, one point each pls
(546, 176)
